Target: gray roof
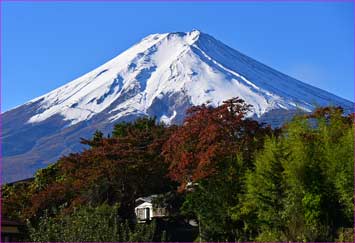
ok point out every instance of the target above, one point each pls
(148, 199)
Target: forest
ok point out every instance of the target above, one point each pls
(239, 179)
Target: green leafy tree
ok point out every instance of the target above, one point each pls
(89, 224)
(96, 139)
(208, 155)
(209, 202)
(302, 186)
(263, 203)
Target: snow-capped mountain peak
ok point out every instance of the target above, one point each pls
(93, 92)
(161, 76)
(193, 65)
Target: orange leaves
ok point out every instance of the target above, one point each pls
(117, 169)
(131, 163)
(53, 196)
(209, 135)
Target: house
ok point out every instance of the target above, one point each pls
(147, 209)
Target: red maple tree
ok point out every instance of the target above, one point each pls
(209, 135)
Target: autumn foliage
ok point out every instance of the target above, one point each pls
(209, 135)
(117, 169)
(249, 182)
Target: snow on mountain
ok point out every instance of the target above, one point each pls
(160, 76)
(194, 63)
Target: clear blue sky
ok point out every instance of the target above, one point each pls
(45, 45)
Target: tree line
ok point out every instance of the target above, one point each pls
(240, 179)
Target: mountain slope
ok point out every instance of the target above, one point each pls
(160, 76)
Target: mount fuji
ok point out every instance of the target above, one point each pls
(160, 76)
